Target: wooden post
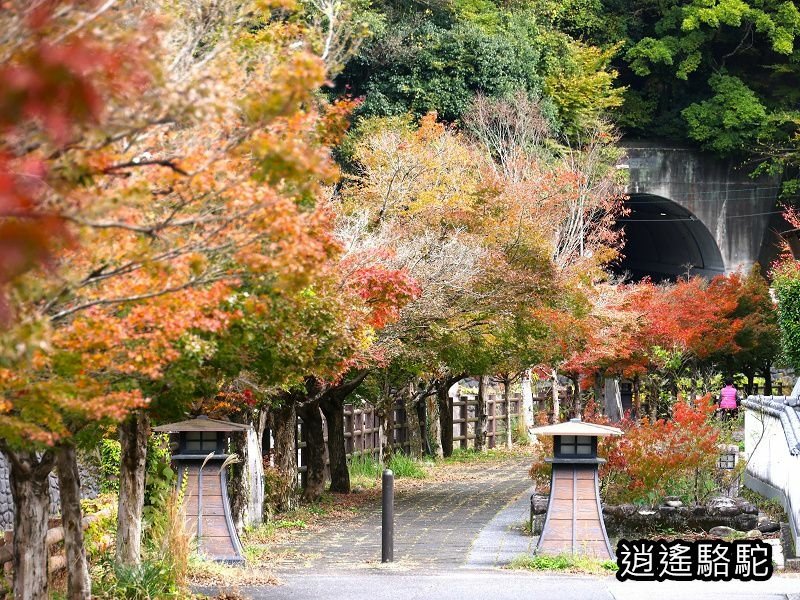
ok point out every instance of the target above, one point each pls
(464, 432)
(492, 420)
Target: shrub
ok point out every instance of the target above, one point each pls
(786, 282)
(110, 457)
(101, 533)
(163, 570)
(652, 458)
(171, 543)
(160, 478)
(149, 580)
(519, 432)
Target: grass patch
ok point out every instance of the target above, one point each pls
(268, 532)
(405, 466)
(469, 455)
(365, 470)
(564, 562)
(229, 577)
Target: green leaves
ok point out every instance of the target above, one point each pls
(715, 71)
(651, 51)
(786, 283)
(730, 120)
(423, 62)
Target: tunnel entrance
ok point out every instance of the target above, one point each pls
(665, 241)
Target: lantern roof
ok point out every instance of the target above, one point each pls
(576, 427)
(201, 423)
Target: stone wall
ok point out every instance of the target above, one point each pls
(735, 513)
(90, 488)
(7, 503)
(628, 519)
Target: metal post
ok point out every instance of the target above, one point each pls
(387, 514)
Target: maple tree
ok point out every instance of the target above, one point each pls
(658, 334)
(172, 196)
(652, 457)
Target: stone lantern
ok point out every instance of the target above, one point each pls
(574, 520)
(199, 456)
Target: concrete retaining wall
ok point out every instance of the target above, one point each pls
(772, 470)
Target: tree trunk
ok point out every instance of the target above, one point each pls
(445, 418)
(482, 417)
(238, 482)
(315, 450)
(422, 417)
(333, 409)
(79, 586)
(576, 396)
(750, 375)
(637, 398)
(767, 372)
(556, 404)
(526, 410)
(413, 433)
(507, 408)
(387, 421)
(653, 401)
(284, 433)
(599, 400)
(434, 424)
(30, 490)
(133, 435)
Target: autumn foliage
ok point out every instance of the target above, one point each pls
(652, 458)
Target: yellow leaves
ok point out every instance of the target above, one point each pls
(284, 89)
(270, 5)
(584, 87)
(197, 263)
(430, 176)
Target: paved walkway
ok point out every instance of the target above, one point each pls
(504, 538)
(511, 585)
(436, 524)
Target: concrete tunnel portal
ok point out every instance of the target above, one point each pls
(664, 241)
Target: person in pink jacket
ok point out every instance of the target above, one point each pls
(727, 399)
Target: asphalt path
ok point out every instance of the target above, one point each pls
(468, 584)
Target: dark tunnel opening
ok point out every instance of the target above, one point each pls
(664, 241)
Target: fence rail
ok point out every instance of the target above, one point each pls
(55, 535)
(778, 389)
(362, 430)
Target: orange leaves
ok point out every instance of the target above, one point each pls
(142, 339)
(652, 456)
(335, 120)
(58, 74)
(181, 191)
(645, 327)
(385, 291)
(286, 154)
(694, 316)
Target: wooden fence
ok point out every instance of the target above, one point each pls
(55, 535)
(362, 430)
(778, 389)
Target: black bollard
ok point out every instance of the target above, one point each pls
(387, 514)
